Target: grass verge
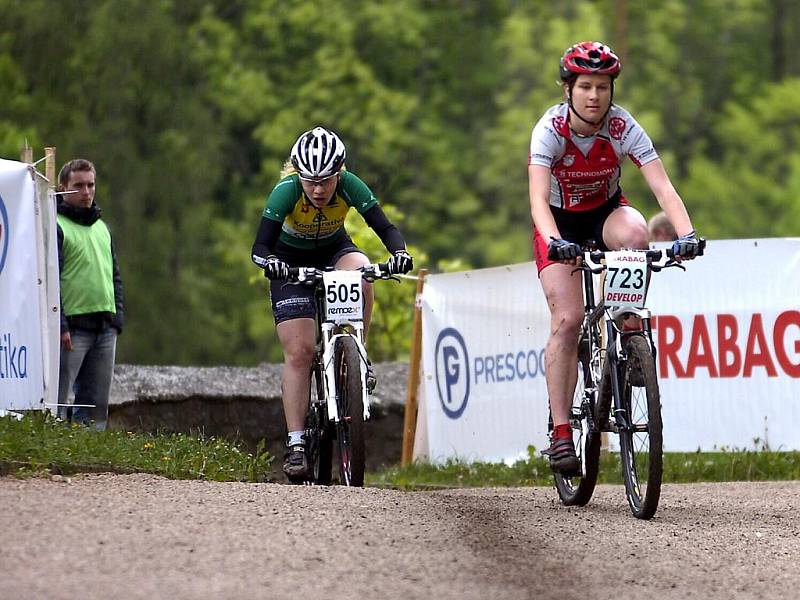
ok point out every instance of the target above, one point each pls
(39, 443)
(679, 467)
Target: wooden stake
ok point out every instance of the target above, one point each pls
(410, 416)
(50, 166)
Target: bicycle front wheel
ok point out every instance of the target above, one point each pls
(319, 438)
(641, 444)
(350, 428)
(577, 490)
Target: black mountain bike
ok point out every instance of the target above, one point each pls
(617, 389)
(339, 395)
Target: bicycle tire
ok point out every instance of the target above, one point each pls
(350, 427)
(641, 446)
(319, 438)
(578, 490)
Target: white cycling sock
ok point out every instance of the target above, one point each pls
(296, 438)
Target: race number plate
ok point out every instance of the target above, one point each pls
(343, 296)
(626, 279)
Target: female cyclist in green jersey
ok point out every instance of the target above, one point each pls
(303, 226)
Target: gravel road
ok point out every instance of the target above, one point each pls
(138, 536)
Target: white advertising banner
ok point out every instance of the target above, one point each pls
(484, 334)
(21, 373)
(728, 337)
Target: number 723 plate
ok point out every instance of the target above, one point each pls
(626, 279)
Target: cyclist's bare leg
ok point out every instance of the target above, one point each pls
(625, 227)
(351, 262)
(565, 299)
(298, 337)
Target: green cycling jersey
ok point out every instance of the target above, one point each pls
(306, 226)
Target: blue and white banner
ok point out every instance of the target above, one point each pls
(728, 337)
(484, 394)
(25, 311)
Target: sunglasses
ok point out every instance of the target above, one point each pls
(320, 180)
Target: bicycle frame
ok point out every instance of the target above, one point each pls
(339, 399)
(612, 349)
(328, 334)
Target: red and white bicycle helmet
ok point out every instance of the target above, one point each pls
(318, 153)
(589, 58)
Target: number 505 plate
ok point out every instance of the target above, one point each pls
(343, 301)
(626, 279)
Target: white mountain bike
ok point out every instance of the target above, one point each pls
(339, 396)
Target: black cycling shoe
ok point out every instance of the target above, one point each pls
(563, 458)
(295, 463)
(371, 379)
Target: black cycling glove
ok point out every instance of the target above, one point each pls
(274, 267)
(400, 262)
(686, 246)
(562, 250)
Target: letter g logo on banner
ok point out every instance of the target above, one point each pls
(3, 234)
(452, 372)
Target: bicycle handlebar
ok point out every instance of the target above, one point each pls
(312, 275)
(653, 257)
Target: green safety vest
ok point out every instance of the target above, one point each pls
(87, 277)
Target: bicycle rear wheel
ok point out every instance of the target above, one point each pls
(350, 428)
(319, 438)
(577, 490)
(641, 445)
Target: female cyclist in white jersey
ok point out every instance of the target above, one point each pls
(573, 179)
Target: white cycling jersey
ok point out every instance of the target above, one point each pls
(585, 170)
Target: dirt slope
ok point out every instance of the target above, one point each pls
(138, 536)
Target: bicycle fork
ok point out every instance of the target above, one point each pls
(331, 387)
(618, 357)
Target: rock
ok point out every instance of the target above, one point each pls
(243, 405)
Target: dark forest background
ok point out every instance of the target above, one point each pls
(189, 107)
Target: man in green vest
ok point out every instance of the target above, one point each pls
(91, 298)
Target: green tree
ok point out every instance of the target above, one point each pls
(751, 188)
(189, 109)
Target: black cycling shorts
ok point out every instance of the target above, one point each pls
(578, 227)
(297, 301)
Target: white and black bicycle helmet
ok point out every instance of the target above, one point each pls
(318, 153)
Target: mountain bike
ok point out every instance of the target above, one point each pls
(339, 394)
(617, 389)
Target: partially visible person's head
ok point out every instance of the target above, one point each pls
(660, 228)
(77, 178)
